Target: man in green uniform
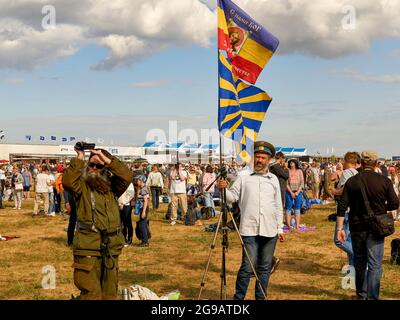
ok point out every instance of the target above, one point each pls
(98, 240)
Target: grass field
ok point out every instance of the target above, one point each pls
(176, 258)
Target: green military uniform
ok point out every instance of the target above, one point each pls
(98, 240)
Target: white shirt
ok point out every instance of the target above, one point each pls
(177, 185)
(127, 196)
(2, 175)
(155, 179)
(260, 204)
(41, 182)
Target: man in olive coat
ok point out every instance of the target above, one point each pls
(98, 241)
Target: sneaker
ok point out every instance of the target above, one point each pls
(53, 214)
(276, 265)
(144, 244)
(173, 223)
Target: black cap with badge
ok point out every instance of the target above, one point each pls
(264, 147)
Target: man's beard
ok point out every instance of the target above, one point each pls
(99, 182)
(259, 168)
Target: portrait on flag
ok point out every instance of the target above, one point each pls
(247, 43)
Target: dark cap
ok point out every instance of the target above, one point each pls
(264, 147)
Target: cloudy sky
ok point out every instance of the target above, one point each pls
(116, 70)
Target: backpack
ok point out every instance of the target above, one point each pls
(395, 252)
(305, 206)
(155, 180)
(190, 219)
(169, 212)
(206, 213)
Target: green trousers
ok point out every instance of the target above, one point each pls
(89, 280)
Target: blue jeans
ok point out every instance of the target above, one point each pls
(52, 206)
(155, 196)
(289, 201)
(209, 201)
(347, 245)
(368, 251)
(261, 251)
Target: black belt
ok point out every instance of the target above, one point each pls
(89, 227)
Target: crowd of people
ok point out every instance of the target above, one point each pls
(192, 189)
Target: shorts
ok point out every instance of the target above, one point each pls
(27, 188)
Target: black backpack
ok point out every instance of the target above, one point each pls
(190, 219)
(206, 213)
(395, 253)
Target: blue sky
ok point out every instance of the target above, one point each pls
(348, 102)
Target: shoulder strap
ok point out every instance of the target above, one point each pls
(93, 203)
(364, 194)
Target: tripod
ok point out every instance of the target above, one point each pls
(222, 224)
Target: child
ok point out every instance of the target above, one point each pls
(143, 208)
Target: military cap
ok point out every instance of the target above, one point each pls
(369, 155)
(264, 147)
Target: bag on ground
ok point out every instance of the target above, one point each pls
(395, 252)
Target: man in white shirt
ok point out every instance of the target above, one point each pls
(261, 222)
(42, 191)
(178, 192)
(351, 160)
(51, 184)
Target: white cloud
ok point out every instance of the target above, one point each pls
(149, 84)
(135, 29)
(23, 47)
(359, 76)
(14, 81)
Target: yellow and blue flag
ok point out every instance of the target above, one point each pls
(248, 44)
(241, 108)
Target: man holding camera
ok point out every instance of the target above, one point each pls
(98, 241)
(261, 222)
(178, 192)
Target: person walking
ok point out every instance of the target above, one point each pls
(17, 187)
(42, 191)
(369, 195)
(178, 192)
(350, 170)
(27, 175)
(156, 184)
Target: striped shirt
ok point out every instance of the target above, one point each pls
(296, 179)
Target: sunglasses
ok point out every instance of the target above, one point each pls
(96, 165)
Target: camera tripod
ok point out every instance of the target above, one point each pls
(222, 224)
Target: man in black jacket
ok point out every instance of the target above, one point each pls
(281, 172)
(367, 247)
(278, 169)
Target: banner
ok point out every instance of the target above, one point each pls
(241, 108)
(248, 44)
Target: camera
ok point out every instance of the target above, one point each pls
(82, 146)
